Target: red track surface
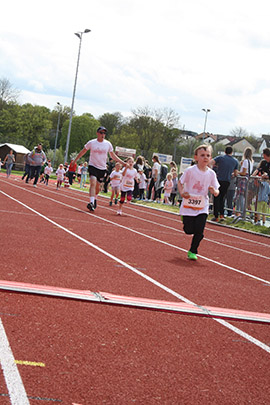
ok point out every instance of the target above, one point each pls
(95, 354)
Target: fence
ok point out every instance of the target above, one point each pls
(248, 199)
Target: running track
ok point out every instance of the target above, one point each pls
(55, 350)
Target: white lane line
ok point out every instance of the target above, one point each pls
(147, 210)
(12, 376)
(244, 335)
(148, 237)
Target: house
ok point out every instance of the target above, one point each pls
(206, 137)
(19, 152)
(265, 143)
(240, 144)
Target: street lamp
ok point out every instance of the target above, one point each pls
(206, 110)
(57, 132)
(79, 35)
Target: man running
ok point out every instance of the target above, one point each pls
(99, 149)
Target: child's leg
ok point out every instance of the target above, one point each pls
(195, 226)
(121, 202)
(200, 221)
(129, 196)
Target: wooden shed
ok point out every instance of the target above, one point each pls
(19, 152)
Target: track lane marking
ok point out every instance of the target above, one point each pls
(146, 209)
(145, 236)
(238, 331)
(158, 224)
(12, 376)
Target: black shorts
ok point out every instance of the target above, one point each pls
(98, 173)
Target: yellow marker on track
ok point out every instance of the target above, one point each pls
(29, 363)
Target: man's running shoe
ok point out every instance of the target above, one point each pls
(192, 256)
(91, 207)
(115, 201)
(110, 203)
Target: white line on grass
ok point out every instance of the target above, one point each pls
(150, 279)
(12, 376)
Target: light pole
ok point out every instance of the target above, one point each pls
(206, 110)
(57, 132)
(79, 35)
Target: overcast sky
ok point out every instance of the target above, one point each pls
(180, 54)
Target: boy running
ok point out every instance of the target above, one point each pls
(193, 186)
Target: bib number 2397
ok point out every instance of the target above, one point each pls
(195, 202)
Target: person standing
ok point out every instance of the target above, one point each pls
(154, 177)
(9, 160)
(71, 173)
(226, 165)
(193, 186)
(264, 166)
(26, 165)
(99, 149)
(37, 159)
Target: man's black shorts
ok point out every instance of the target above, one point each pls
(99, 174)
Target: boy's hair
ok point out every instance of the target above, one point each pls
(266, 151)
(204, 147)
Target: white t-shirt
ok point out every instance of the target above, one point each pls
(98, 152)
(142, 181)
(156, 167)
(48, 170)
(245, 166)
(116, 178)
(128, 180)
(60, 174)
(196, 183)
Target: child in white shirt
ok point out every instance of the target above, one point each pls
(193, 186)
(127, 186)
(115, 180)
(142, 184)
(168, 186)
(60, 173)
(48, 171)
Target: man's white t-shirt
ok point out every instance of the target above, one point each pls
(98, 152)
(128, 180)
(197, 183)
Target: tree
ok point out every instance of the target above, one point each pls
(113, 122)
(84, 128)
(8, 94)
(155, 129)
(239, 131)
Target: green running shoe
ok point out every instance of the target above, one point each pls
(192, 256)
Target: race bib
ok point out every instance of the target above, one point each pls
(195, 202)
(129, 183)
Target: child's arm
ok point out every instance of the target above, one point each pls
(183, 193)
(213, 191)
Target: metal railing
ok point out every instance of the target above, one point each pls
(248, 199)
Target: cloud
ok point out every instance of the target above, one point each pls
(182, 55)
